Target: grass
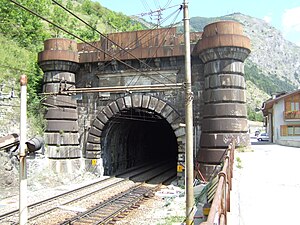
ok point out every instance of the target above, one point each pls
(244, 149)
(239, 163)
(173, 220)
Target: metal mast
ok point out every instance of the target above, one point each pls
(189, 167)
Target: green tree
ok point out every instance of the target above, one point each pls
(59, 17)
(69, 5)
(22, 26)
(87, 7)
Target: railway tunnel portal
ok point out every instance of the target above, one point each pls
(117, 130)
(134, 130)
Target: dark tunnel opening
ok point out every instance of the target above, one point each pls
(135, 137)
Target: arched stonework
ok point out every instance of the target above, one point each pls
(142, 101)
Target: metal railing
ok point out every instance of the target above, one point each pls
(221, 202)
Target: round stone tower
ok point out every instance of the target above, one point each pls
(223, 49)
(59, 61)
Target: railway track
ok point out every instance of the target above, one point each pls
(67, 205)
(115, 207)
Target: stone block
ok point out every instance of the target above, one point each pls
(152, 104)
(166, 111)
(93, 147)
(98, 124)
(92, 154)
(61, 138)
(102, 117)
(62, 126)
(220, 125)
(137, 100)
(128, 101)
(159, 107)
(114, 107)
(224, 95)
(96, 132)
(121, 103)
(93, 139)
(108, 112)
(145, 102)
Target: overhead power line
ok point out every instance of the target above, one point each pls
(79, 38)
(102, 35)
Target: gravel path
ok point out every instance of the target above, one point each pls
(266, 190)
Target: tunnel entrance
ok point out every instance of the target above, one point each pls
(137, 136)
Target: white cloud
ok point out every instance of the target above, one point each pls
(291, 24)
(291, 20)
(267, 19)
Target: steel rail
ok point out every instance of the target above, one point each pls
(77, 199)
(119, 203)
(54, 197)
(134, 195)
(65, 194)
(5, 217)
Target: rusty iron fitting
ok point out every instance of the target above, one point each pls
(23, 80)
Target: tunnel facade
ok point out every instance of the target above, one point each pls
(115, 130)
(134, 130)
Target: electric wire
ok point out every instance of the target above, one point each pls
(145, 4)
(167, 4)
(87, 24)
(32, 12)
(145, 34)
(76, 36)
(130, 46)
(150, 12)
(162, 42)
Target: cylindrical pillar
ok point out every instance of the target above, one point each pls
(223, 49)
(59, 61)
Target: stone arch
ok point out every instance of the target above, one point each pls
(142, 101)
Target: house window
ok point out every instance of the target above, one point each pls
(295, 106)
(297, 131)
(290, 130)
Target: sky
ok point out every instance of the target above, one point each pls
(283, 15)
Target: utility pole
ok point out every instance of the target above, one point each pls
(23, 211)
(189, 159)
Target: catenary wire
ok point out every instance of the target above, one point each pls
(79, 38)
(142, 62)
(162, 42)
